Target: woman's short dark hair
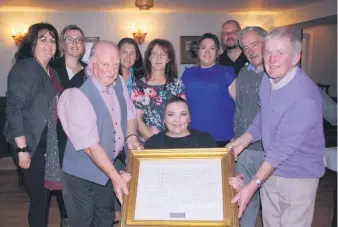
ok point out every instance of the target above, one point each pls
(170, 68)
(138, 65)
(28, 43)
(175, 99)
(210, 36)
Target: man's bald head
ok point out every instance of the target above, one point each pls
(102, 45)
(229, 34)
(104, 61)
(232, 22)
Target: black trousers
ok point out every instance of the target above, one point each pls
(62, 141)
(88, 204)
(119, 164)
(61, 203)
(334, 219)
(33, 179)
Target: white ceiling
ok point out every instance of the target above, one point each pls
(159, 5)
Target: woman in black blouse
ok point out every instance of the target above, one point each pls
(177, 134)
(33, 88)
(70, 69)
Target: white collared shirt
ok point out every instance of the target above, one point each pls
(286, 79)
(70, 72)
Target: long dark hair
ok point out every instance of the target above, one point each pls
(138, 65)
(170, 68)
(27, 45)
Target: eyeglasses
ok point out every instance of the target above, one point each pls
(161, 55)
(232, 33)
(69, 39)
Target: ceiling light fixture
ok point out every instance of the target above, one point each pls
(144, 4)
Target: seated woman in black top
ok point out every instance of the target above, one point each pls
(177, 134)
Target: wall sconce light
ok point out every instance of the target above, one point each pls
(139, 34)
(18, 36)
(144, 4)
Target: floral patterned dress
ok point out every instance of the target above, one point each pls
(152, 100)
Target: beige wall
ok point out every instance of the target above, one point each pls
(319, 9)
(116, 25)
(322, 63)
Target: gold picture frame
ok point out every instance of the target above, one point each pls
(225, 157)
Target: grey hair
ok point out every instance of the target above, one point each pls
(69, 28)
(285, 32)
(260, 32)
(94, 47)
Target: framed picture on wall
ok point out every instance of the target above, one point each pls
(188, 49)
(89, 42)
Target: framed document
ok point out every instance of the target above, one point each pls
(180, 187)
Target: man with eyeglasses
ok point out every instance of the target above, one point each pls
(232, 55)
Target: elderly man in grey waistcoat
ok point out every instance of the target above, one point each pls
(100, 122)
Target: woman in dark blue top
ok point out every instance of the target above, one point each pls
(210, 90)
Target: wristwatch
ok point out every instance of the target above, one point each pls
(24, 149)
(257, 181)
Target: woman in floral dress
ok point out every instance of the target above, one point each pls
(159, 84)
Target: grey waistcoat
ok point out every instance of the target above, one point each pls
(78, 163)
